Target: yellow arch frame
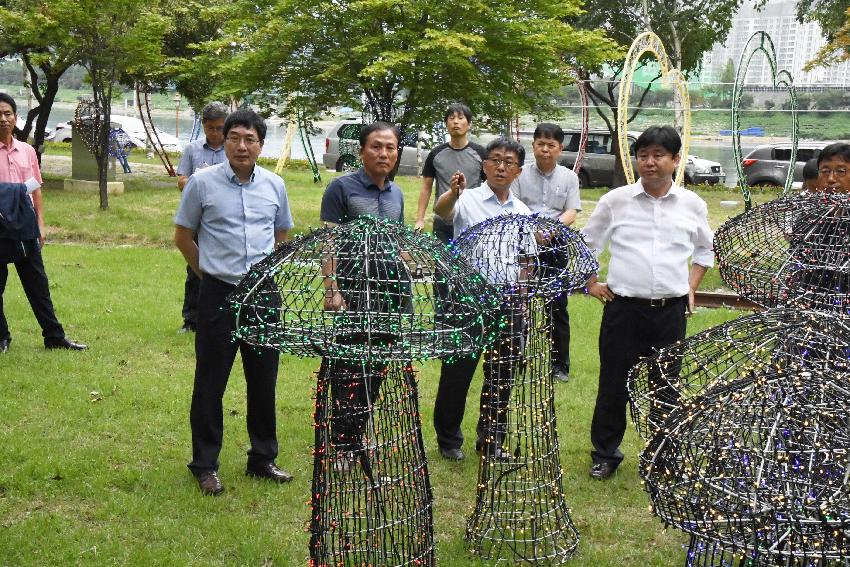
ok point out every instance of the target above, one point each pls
(649, 42)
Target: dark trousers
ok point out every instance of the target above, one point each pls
(629, 332)
(215, 352)
(34, 281)
(191, 289)
(354, 389)
(500, 363)
(561, 332)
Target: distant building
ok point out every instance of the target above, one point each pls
(796, 44)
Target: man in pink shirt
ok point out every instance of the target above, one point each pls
(19, 164)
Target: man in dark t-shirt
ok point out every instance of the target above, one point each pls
(458, 154)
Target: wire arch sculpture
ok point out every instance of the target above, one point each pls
(760, 42)
(648, 42)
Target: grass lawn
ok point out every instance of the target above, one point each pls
(94, 444)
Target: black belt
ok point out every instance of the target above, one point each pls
(661, 302)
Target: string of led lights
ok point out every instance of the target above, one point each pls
(371, 501)
(794, 250)
(746, 423)
(520, 513)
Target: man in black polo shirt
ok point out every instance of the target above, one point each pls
(367, 191)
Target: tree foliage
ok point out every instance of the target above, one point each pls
(33, 30)
(404, 60)
(115, 38)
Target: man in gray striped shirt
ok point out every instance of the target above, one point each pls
(551, 190)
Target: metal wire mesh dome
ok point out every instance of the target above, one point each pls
(759, 463)
(386, 274)
(527, 254)
(723, 354)
(793, 250)
(749, 437)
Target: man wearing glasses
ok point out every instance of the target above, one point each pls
(465, 208)
(203, 152)
(833, 165)
(239, 212)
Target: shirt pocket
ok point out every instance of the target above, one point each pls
(556, 197)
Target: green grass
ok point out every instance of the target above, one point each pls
(92, 470)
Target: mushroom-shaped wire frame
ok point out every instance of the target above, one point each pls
(388, 277)
(791, 251)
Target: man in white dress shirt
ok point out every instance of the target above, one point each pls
(661, 247)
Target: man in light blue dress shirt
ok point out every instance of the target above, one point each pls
(202, 153)
(239, 212)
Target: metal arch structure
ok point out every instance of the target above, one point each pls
(648, 42)
(150, 129)
(761, 42)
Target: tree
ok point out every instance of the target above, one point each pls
(116, 38)
(769, 105)
(404, 61)
(31, 29)
(687, 28)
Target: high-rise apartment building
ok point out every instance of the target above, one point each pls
(796, 44)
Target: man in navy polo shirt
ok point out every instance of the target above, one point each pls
(367, 191)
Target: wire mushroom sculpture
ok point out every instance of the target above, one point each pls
(791, 251)
(371, 495)
(520, 513)
(749, 438)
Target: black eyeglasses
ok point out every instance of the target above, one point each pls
(509, 164)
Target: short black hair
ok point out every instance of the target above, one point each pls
(810, 170)
(508, 146)
(549, 130)
(457, 108)
(665, 136)
(247, 118)
(838, 150)
(10, 101)
(377, 126)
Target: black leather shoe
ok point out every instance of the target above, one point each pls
(560, 374)
(452, 454)
(209, 483)
(4, 345)
(64, 342)
(187, 328)
(269, 471)
(601, 471)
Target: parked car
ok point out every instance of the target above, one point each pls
(597, 168)
(49, 133)
(132, 126)
(342, 149)
(768, 164)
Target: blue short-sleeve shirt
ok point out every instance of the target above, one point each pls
(236, 222)
(199, 155)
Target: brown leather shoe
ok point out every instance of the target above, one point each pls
(269, 471)
(209, 483)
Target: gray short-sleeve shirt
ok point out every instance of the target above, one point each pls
(444, 161)
(548, 194)
(354, 194)
(199, 155)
